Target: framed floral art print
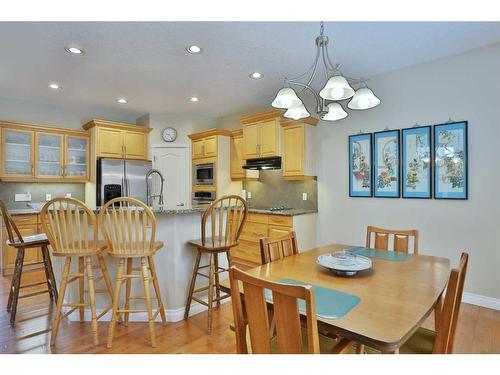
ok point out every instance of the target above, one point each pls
(360, 165)
(386, 167)
(450, 154)
(416, 162)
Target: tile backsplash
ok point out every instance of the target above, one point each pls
(8, 191)
(271, 190)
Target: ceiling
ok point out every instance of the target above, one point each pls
(147, 62)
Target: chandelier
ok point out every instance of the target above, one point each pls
(337, 88)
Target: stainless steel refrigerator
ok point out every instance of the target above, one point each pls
(121, 178)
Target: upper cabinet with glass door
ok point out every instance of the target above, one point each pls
(77, 158)
(41, 153)
(17, 155)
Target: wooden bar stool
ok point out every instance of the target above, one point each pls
(226, 216)
(125, 223)
(20, 243)
(73, 233)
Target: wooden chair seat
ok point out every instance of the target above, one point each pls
(35, 240)
(73, 250)
(209, 244)
(327, 345)
(144, 251)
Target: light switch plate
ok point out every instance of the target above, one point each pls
(48, 197)
(68, 195)
(304, 196)
(23, 197)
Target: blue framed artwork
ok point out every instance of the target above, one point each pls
(386, 164)
(416, 162)
(360, 165)
(450, 154)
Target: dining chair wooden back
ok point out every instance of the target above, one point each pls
(288, 327)
(401, 239)
(72, 229)
(129, 227)
(224, 219)
(272, 249)
(15, 240)
(448, 316)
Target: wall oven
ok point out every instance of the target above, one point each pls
(204, 174)
(203, 197)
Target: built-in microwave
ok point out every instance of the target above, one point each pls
(203, 174)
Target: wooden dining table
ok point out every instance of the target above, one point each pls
(395, 296)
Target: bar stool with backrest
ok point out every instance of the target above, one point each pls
(290, 337)
(401, 239)
(72, 230)
(129, 227)
(425, 341)
(19, 242)
(225, 218)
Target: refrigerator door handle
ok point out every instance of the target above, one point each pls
(127, 182)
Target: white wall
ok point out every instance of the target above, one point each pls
(464, 87)
(21, 110)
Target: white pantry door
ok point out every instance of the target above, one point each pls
(173, 164)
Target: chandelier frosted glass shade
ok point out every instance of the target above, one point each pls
(363, 98)
(337, 88)
(297, 113)
(335, 112)
(286, 98)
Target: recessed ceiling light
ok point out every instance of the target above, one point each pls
(256, 75)
(122, 101)
(195, 50)
(74, 50)
(194, 99)
(54, 86)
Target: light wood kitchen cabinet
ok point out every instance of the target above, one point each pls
(258, 225)
(261, 135)
(119, 140)
(298, 146)
(18, 153)
(237, 160)
(35, 153)
(27, 225)
(204, 147)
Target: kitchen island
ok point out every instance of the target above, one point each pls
(174, 263)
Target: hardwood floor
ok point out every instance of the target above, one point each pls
(478, 331)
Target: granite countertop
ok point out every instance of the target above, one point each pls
(188, 210)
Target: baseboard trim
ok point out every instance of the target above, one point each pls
(483, 301)
(173, 315)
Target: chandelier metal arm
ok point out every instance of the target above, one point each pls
(319, 106)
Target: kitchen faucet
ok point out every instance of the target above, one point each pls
(150, 197)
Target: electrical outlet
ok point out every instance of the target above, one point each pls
(48, 197)
(249, 195)
(23, 197)
(304, 196)
(68, 195)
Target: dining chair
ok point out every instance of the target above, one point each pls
(401, 239)
(223, 220)
(129, 228)
(72, 230)
(290, 337)
(425, 341)
(20, 243)
(272, 249)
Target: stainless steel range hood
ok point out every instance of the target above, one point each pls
(263, 164)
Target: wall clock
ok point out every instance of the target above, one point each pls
(169, 134)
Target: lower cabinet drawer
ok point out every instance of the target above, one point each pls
(248, 251)
(253, 232)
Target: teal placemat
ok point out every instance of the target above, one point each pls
(395, 256)
(330, 303)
